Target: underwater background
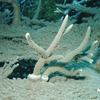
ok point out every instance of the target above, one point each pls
(42, 19)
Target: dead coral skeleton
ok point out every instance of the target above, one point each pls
(46, 56)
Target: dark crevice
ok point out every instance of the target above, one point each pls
(25, 67)
(6, 38)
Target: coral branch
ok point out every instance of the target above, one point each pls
(7, 69)
(59, 69)
(89, 10)
(78, 50)
(89, 46)
(38, 10)
(57, 38)
(16, 6)
(31, 43)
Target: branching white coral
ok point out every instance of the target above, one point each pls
(46, 54)
(61, 60)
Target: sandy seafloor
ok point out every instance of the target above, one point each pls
(13, 43)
